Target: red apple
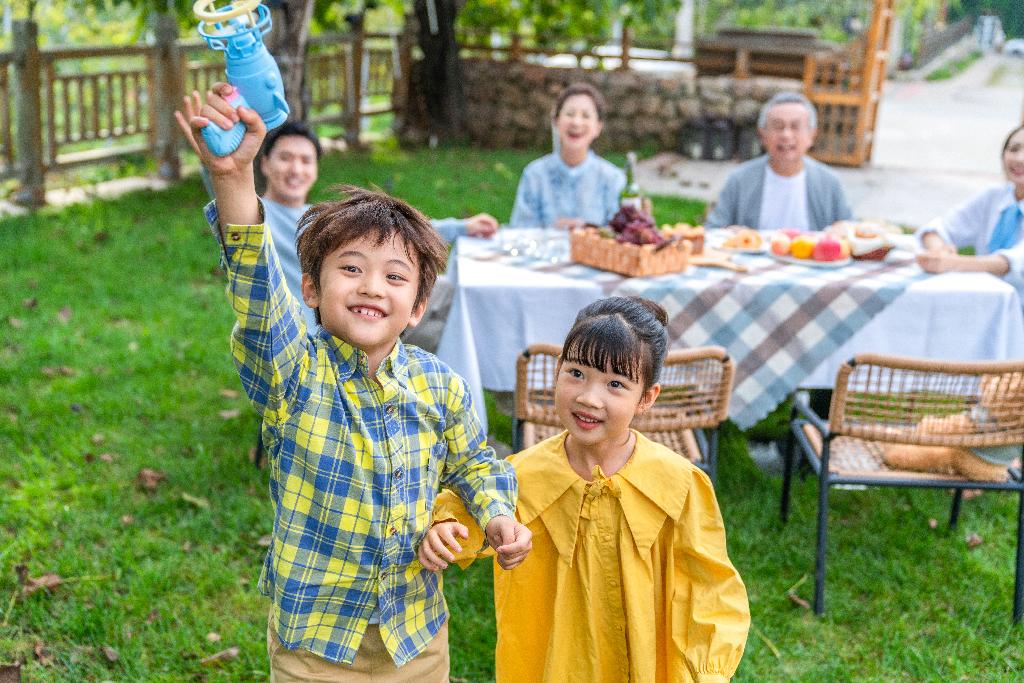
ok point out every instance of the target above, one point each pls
(828, 248)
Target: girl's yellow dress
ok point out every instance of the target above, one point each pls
(628, 579)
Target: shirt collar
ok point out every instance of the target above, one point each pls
(1009, 199)
(347, 358)
(649, 489)
(573, 171)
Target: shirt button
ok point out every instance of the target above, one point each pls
(392, 409)
(383, 576)
(393, 531)
(399, 473)
(235, 236)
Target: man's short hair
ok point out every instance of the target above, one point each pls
(293, 128)
(381, 217)
(788, 98)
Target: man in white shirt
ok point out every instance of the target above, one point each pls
(783, 188)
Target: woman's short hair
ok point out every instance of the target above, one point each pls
(581, 88)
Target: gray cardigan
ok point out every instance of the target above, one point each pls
(740, 200)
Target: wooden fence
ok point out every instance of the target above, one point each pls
(99, 103)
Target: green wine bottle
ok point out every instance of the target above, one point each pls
(631, 195)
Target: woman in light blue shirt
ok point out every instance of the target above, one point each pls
(572, 185)
(992, 222)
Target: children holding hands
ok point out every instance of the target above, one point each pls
(361, 429)
(629, 578)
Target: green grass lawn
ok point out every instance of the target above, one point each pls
(114, 358)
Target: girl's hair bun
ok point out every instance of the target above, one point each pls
(656, 310)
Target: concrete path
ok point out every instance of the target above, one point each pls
(937, 144)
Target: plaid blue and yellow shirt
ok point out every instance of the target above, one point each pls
(355, 466)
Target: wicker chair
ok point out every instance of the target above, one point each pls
(883, 399)
(694, 401)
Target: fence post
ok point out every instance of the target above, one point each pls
(515, 53)
(402, 86)
(354, 86)
(627, 40)
(168, 88)
(28, 108)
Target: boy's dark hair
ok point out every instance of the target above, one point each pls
(624, 333)
(293, 128)
(365, 213)
(581, 89)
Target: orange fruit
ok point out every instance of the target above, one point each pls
(802, 246)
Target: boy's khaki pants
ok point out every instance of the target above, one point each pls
(372, 663)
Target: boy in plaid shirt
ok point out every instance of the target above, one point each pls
(361, 429)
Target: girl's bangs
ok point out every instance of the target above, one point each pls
(603, 343)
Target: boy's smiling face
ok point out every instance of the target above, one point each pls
(367, 294)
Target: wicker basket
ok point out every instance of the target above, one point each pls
(588, 247)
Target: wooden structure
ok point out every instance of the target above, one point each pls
(746, 52)
(67, 107)
(846, 88)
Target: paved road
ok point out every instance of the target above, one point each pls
(937, 144)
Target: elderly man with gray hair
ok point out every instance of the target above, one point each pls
(783, 188)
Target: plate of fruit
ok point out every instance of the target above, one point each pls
(743, 240)
(814, 249)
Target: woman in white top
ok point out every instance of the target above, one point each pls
(991, 222)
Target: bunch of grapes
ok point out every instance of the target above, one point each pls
(633, 226)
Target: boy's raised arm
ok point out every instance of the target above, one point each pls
(234, 185)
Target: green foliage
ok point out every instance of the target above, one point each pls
(1009, 12)
(954, 67)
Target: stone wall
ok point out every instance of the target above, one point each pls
(510, 104)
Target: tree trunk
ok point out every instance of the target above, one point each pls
(287, 42)
(442, 72)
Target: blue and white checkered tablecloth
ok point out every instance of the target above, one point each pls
(778, 321)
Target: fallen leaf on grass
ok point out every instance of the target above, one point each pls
(229, 414)
(63, 371)
(42, 655)
(198, 501)
(16, 323)
(186, 547)
(264, 541)
(127, 519)
(107, 457)
(933, 523)
(45, 582)
(88, 457)
(10, 673)
(228, 393)
(110, 653)
(213, 637)
(973, 541)
(97, 439)
(64, 314)
(149, 479)
(30, 302)
(227, 655)
(798, 601)
(133, 346)
(152, 616)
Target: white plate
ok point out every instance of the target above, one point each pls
(811, 263)
(763, 249)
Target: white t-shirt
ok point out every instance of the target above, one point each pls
(784, 201)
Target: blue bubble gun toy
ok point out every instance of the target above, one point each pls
(237, 30)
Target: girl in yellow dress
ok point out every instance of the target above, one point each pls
(628, 578)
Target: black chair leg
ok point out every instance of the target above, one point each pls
(258, 457)
(787, 474)
(1018, 588)
(954, 514)
(819, 561)
(712, 456)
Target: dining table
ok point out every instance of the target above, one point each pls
(786, 325)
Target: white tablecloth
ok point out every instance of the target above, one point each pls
(499, 310)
